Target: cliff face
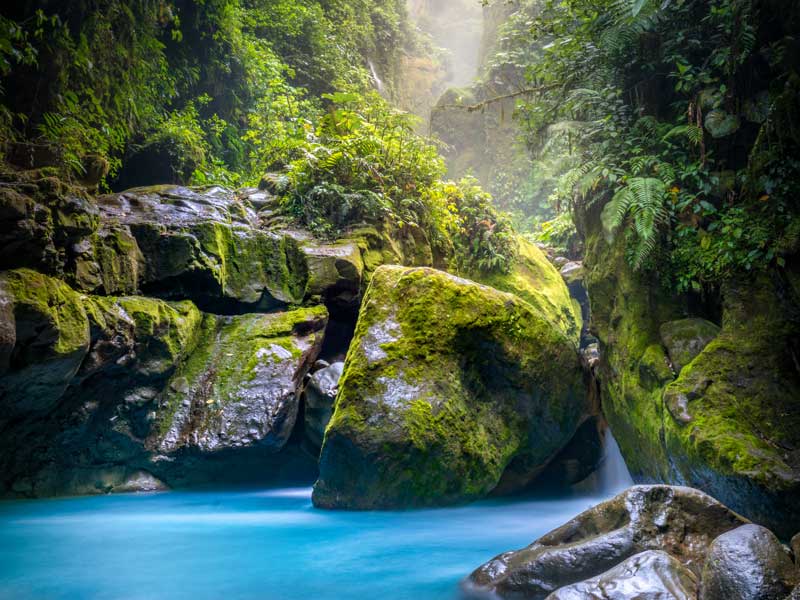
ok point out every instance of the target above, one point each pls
(484, 142)
(710, 405)
(164, 336)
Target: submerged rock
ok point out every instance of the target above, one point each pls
(650, 575)
(682, 522)
(748, 563)
(448, 386)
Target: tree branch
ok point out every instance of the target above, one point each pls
(487, 102)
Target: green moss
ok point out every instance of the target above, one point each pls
(246, 262)
(447, 381)
(120, 261)
(538, 282)
(743, 417)
(228, 354)
(43, 300)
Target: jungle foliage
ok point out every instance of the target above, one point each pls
(117, 94)
(682, 115)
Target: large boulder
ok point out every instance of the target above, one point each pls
(679, 521)
(44, 337)
(726, 419)
(650, 575)
(450, 389)
(748, 563)
(242, 385)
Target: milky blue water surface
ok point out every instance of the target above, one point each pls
(268, 544)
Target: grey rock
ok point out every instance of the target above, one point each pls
(320, 398)
(686, 338)
(241, 387)
(572, 272)
(650, 575)
(748, 563)
(680, 521)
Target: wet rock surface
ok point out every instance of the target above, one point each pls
(320, 396)
(681, 522)
(747, 563)
(450, 390)
(650, 575)
(242, 384)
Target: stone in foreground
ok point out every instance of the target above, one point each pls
(748, 562)
(680, 521)
(450, 388)
(650, 575)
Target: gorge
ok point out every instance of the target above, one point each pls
(341, 299)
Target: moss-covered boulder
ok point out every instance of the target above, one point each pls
(450, 388)
(44, 337)
(685, 339)
(241, 386)
(145, 336)
(729, 421)
(196, 243)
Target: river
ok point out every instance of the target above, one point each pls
(266, 544)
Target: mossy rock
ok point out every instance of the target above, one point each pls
(44, 336)
(685, 339)
(535, 280)
(447, 383)
(736, 429)
(144, 335)
(729, 423)
(335, 271)
(241, 386)
(197, 243)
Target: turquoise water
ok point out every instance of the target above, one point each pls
(269, 545)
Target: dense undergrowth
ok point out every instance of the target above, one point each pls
(681, 114)
(236, 92)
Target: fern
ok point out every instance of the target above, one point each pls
(693, 133)
(641, 202)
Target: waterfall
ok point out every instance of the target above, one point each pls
(613, 475)
(375, 78)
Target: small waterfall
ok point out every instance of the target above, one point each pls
(375, 78)
(613, 475)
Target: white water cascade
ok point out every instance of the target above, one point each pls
(613, 475)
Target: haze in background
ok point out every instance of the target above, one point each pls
(454, 29)
(455, 26)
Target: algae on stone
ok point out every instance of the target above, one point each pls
(446, 383)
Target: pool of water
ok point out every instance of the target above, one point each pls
(267, 544)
